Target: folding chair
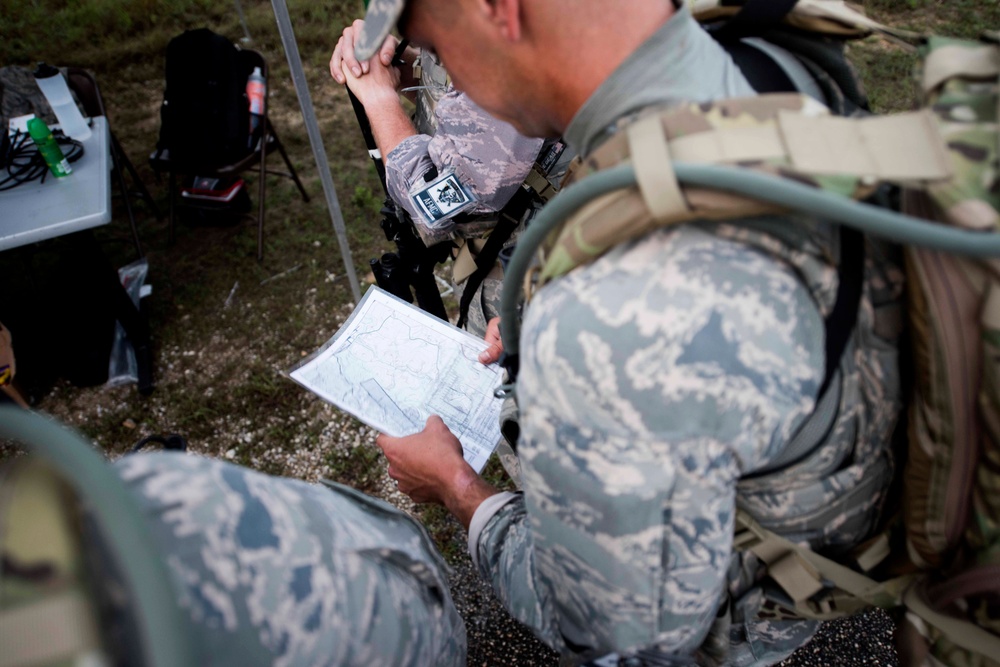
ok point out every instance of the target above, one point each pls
(269, 142)
(85, 86)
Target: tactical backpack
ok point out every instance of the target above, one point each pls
(205, 115)
(937, 559)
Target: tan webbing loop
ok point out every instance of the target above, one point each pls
(881, 594)
(537, 181)
(795, 576)
(729, 144)
(660, 191)
(56, 628)
(948, 62)
(901, 147)
(960, 632)
(873, 552)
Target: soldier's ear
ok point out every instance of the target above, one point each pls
(505, 15)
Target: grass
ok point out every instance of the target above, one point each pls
(220, 368)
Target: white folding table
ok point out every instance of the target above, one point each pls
(37, 211)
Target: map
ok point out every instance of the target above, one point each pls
(392, 366)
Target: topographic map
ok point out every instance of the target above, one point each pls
(392, 365)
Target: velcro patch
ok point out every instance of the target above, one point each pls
(441, 199)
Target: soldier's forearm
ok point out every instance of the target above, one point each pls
(389, 122)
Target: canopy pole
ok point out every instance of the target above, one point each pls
(312, 127)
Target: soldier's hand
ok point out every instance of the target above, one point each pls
(343, 54)
(429, 468)
(425, 463)
(492, 338)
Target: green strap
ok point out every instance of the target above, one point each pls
(865, 591)
(962, 633)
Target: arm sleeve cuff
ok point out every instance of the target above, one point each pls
(483, 514)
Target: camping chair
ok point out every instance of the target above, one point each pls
(82, 581)
(87, 92)
(269, 142)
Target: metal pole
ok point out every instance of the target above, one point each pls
(319, 151)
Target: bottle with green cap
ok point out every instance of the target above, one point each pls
(47, 146)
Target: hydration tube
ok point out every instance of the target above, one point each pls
(794, 196)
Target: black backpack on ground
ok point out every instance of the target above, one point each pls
(205, 117)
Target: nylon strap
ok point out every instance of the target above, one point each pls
(654, 172)
(730, 144)
(901, 147)
(509, 218)
(948, 62)
(750, 534)
(537, 181)
(796, 576)
(56, 628)
(964, 634)
(872, 552)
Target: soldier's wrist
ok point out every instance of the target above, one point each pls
(466, 492)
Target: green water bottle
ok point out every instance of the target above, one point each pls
(47, 146)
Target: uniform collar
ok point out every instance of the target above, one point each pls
(679, 63)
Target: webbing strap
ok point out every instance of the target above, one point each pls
(654, 171)
(730, 144)
(960, 632)
(948, 62)
(537, 181)
(901, 147)
(509, 218)
(751, 534)
(56, 628)
(796, 576)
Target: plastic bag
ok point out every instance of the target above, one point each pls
(122, 368)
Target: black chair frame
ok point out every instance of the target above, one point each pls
(269, 142)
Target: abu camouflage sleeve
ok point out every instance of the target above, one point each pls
(488, 155)
(504, 556)
(651, 380)
(274, 571)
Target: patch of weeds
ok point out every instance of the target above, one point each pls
(366, 200)
(359, 466)
(445, 530)
(193, 415)
(888, 75)
(263, 390)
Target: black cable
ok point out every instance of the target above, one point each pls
(24, 163)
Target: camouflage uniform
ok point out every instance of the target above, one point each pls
(276, 571)
(653, 381)
(488, 155)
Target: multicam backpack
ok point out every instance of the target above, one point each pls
(938, 559)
